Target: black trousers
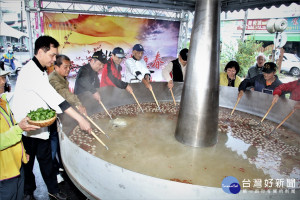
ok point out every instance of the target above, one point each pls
(13, 188)
(41, 149)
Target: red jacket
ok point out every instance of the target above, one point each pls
(112, 76)
(293, 87)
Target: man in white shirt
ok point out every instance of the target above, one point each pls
(33, 91)
(175, 70)
(136, 68)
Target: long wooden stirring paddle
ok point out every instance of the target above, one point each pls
(173, 96)
(155, 99)
(94, 123)
(105, 109)
(137, 101)
(99, 140)
(273, 103)
(288, 116)
(237, 102)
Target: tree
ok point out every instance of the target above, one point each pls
(227, 54)
(246, 53)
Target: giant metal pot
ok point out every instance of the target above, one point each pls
(99, 179)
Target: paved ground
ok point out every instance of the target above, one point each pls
(66, 186)
(285, 78)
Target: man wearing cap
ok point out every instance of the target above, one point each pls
(175, 70)
(87, 81)
(12, 152)
(111, 73)
(265, 82)
(136, 68)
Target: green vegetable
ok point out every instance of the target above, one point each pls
(41, 114)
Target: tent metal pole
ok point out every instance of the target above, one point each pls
(39, 16)
(29, 30)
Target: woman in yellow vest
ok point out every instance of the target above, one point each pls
(12, 153)
(229, 77)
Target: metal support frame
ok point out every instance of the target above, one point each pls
(29, 30)
(38, 6)
(183, 32)
(31, 18)
(1, 17)
(101, 8)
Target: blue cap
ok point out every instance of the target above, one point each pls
(119, 52)
(138, 47)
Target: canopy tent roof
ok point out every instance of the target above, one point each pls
(226, 5)
(6, 30)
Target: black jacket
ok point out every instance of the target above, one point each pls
(87, 80)
(259, 84)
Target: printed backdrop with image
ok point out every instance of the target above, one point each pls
(81, 35)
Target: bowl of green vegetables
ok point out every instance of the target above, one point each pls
(42, 117)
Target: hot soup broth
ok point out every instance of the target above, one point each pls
(147, 145)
